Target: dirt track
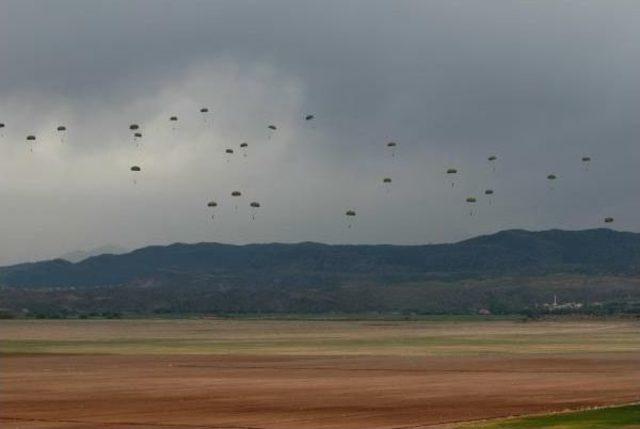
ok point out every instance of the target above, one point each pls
(92, 391)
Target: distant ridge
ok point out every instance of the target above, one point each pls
(81, 255)
(318, 277)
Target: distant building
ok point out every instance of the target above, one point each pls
(557, 306)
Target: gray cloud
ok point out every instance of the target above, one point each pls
(538, 83)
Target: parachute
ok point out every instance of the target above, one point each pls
(489, 193)
(350, 214)
(228, 153)
(551, 178)
(212, 205)
(392, 148)
(608, 220)
(585, 161)
(272, 128)
(309, 118)
(30, 140)
(1, 127)
(205, 112)
(471, 200)
(386, 182)
(136, 135)
(62, 130)
(173, 118)
(452, 171)
(244, 146)
(492, 160)
(254, 209)
(135, 169)
(236, 194)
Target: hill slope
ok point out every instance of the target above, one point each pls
(317, 277)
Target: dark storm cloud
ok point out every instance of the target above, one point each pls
(539, 83)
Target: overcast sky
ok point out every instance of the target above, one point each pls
(540, 84)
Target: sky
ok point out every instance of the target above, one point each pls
(538, 84)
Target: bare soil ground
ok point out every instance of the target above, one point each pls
(372, 386)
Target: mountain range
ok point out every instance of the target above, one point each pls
(508, 271)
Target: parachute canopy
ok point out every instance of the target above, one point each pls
(62, 128)
(392, 144)
(243, 145)
(134, 127)
(272, 127)
(552, 177)
(309, 117)
(138, 135)
(136, 168)
(386, 180)
(608, 219)
(452, 171)
(31, 138)
(173, 118)
(212, 204)
(488, 192)
(204, 110)
(471, 200)
(254, 204)
(236, 193)
(350, 213)
(492, 158)
(1, 125)
(228, 151)
(586, 159)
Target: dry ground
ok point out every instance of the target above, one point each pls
(337, 374)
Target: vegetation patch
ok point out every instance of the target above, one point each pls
(626, 417)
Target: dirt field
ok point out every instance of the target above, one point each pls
(269, 374)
